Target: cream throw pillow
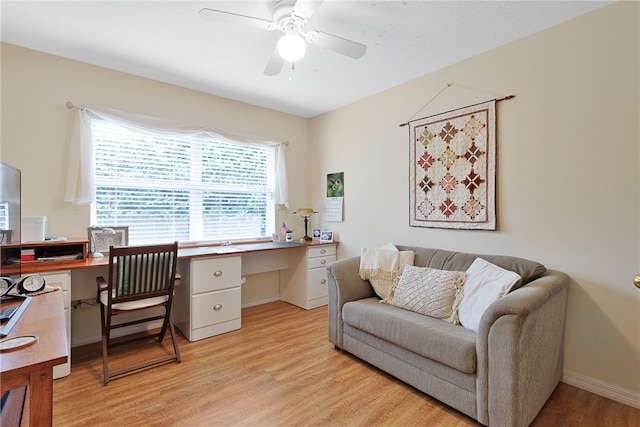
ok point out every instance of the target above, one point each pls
(485, 284)
(381, 266)
(432, 292)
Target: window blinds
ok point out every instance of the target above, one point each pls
(192, 187)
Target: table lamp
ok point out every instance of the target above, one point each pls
(305, 213)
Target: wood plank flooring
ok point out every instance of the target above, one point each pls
(279, 369)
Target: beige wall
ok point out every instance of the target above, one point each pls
(568, 187)
(568, 153)
(36, 125)
(35, 133)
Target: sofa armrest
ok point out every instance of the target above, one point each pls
(520, 351)
(343, 285)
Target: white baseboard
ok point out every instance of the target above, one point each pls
(258, 301)
(78, 341)
(601, 388)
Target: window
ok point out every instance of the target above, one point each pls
(168, 187)
(4, 217)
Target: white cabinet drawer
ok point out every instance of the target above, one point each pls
(211, 274)
(320, 261)
(316, 283)
(305, 282)
(323, 250)
(215, 307)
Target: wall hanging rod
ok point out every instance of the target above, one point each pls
(436, 95)
(70, 105)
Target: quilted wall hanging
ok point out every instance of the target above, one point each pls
(453, 165)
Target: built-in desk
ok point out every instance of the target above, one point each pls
(186, 252)
(300, 267)
(208, 300)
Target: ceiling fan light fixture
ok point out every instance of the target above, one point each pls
(292, 47)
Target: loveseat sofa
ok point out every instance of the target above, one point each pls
(501, 376)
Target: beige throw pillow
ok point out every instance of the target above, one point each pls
(432, 292)
(381, 266)
(383, 285)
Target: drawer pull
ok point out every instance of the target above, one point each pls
(324, 261)
(218, 273)
(217, 307)
(323, 281)
(323, 251)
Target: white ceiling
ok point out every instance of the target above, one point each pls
(169, 42)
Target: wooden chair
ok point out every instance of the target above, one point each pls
(140, 278)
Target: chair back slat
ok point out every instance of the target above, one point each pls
(141, 271)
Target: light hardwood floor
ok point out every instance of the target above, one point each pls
(278, 370)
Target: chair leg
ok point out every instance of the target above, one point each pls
(165, 322)
(106, 329)
(172, 332)
(105, 346)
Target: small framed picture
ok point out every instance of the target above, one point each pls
(326, 236)
(316, 234)
(102, 238)
(5, 237)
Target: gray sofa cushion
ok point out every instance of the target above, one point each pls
(451, 345)
(448, 260)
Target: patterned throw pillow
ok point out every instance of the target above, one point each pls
(432, 292)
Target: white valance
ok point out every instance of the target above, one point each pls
(80, 174)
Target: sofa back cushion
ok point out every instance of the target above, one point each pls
(460, 261)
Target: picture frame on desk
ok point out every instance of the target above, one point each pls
(326, 236)
(316, 234)
(5, 237)
(105, 237)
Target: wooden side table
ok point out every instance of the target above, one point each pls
(32, 366)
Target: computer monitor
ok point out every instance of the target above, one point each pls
(10, 219)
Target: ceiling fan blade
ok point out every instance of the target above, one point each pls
(304, 9)
(274, 66)
(337, 44)
(234, 18)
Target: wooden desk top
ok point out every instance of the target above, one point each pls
(186, 252)
(205, 251)
(44, 318)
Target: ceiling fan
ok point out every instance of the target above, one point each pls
(290, 17)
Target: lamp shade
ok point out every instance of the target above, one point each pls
(305, 211)
(291, 47)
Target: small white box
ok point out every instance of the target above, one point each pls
(34, 228)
